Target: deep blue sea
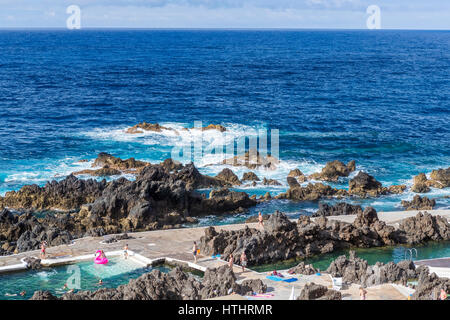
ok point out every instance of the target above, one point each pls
(379, 97)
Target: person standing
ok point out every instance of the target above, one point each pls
(125, 251)
(362, 293)
(260, 219)
(243, 260)
(194, 251)
(230, 262)
(443, 295)
(43, 247)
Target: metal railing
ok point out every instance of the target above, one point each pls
(411, 253)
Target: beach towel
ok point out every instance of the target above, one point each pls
(274, 278)
(290, 280)
(263, 295)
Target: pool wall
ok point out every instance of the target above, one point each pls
(65, 260)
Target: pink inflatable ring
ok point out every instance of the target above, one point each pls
(98, 259)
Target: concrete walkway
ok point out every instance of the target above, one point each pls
(394, 217)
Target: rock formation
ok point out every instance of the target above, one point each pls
(228, 177)
(24, 232)
(429, 286)
(252, 160)
(283, 239)
(176, 285)
(67, 194)
(270, 182)
(312, 291)
(338, 209)
(144, 126)
(421, 184)
(441, 178)
(424, 227)
(419, 203)
(298, 175)
(364, 185)
(333, 170)
(162, 196)
(250, 176)
(356, 270)
(303, 268)
(312, 192)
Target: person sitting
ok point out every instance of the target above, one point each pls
(277, 274)
(443, 295)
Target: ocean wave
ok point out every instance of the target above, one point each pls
(176, 135)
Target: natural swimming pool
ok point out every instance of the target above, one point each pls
(430, 250)
(83, 275)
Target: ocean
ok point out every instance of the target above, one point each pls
(379, 97)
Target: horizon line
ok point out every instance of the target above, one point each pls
(217, 28)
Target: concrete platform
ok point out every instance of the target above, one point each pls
(394, 217)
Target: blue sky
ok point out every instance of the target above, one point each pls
(395, 14)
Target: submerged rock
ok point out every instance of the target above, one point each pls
(211, 126)
(144, 126)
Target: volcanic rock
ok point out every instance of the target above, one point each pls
(228, 177)
(419, 203)
(250, 176)
(312, 291)
(364, 184)
(338, 209)
(333, 170)
(67, 194)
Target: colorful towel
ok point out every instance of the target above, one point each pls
(262, 295)
(274, 278)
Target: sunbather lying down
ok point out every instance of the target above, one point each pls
(275, 273)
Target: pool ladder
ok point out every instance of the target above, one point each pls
(411, 252)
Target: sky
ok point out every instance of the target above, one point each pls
(330, 14)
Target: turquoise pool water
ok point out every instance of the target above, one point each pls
(81, 276)
(372, 255)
